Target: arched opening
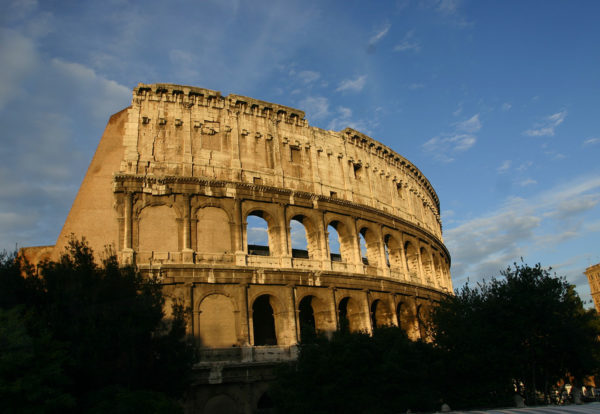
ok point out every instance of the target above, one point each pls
(334, 242)
(426, 264)
(217, 322)
(386, 248)
(257, 233)
(220, 404)
(265, 404)
(363, 247)
(213, 231)
(393, 251)
(299, 238)
(412, 260)
(307, 318)
(380, 314)
(399, 316)
(349, 315)
(263, 321)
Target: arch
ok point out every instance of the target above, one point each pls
(437, 271)
(312, 234)
(333, 240)
(380, 314)
(217, 327)
(213, 233)
(412, 260)
(394, 251)
(265, 404)
(258, 234)
(349, 314)
(306, 316)
(346, 244)
(426, 264)
(364, 254)
(299, 238)
(263, 321)
(407, 319)
(220, 404)
(157, 229)
(372, 246)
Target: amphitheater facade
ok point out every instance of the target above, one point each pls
(172, 185)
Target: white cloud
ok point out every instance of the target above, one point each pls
(506, 106)
(470, 125)
(408, 43)
(591, 141)
(344, 119)
(380, 34)
(316, 107)
(415, 86)
(521, 227)
(505, 166)
(527, 181)
(19, 59)
(354, 85)
(445, 146)
(308, 76)
(547, 126)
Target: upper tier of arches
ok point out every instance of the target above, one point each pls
(242, 231)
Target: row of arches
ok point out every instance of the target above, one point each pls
(271, 323)
(301, 234)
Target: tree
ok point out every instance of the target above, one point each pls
(355, 372)
(109, 320)
(528, 327)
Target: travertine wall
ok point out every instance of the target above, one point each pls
(593, 275)
(177, 175)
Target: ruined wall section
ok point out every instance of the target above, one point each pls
(194, 132)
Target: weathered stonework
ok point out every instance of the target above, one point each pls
(172, 183)
(593, 275)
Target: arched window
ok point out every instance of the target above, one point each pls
(307, 318)
(363, 247)
(263, 321)
(349, 315)
(380, 314)
(334, 243)
(412, 260)
(427, 264)
(299, 239)
(257, 231)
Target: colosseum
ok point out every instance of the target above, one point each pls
(184, 180)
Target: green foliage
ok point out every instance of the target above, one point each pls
(528, 327)
(354, 372)
(109, 321)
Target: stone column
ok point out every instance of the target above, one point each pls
(188, 253)
(127, 253)
(238, 233)
(286, 257)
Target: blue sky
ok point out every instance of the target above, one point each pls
(497, 102)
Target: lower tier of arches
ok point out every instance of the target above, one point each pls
(232, 308)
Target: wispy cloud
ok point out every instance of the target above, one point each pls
(308, 76)
(343, 118)
(591, 141)
(317, 107)
(504, 167)
(408, 43)
(445, 146)
(353, 85)
(380, 34)
(506, 106)
(547, 126)
(527, 181)
(484, 245)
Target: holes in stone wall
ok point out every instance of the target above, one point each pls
(257, 234)
(263, 321)
(333, 239)
(298, 238)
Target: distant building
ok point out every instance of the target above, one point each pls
(593, 275)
